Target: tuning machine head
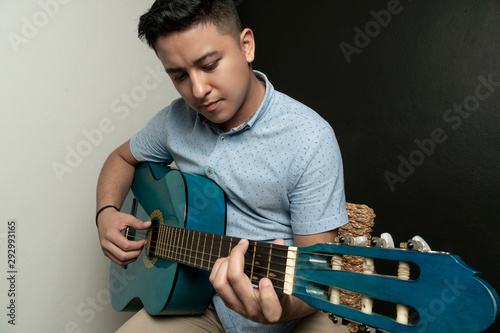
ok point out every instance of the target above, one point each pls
(385, 240)
(417, 243)
(349, 240)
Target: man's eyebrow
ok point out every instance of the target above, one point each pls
(205, 56)
(197, 61)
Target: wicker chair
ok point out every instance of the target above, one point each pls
(361, 222)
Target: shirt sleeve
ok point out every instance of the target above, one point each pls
(317, 199)
(149, 144)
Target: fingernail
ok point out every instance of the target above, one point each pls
(265, 282)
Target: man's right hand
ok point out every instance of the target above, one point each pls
(114, 245)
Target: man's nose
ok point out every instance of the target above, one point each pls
(199, 85)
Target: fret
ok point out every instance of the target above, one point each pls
(197, 249)
(185, 243)
(203, 251)
(186, 247)
(261, 259)
(172, 243)
(209, 266)
(253, 259)
(166, 237)
(168, 243)
(174, 240)
(163, 248)
(269, 260)
(266, 260)
(191, 250)
(188, 243)
(177, 246)
(160, 242)
(183, 247)
(173, 247)
(220, 246)
(253, 264)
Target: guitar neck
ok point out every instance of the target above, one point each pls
(201, 250)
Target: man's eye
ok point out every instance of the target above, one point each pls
(211, 66)
(179, 78)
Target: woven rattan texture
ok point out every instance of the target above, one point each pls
(361, 222)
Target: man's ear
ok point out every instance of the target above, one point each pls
(247, 44)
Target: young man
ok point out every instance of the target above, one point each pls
(277, 161)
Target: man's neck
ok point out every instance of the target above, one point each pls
(253, 100)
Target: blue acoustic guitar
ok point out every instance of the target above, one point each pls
(187, 236)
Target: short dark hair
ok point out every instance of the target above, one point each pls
(168, 16)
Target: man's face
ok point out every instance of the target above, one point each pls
(211, 72)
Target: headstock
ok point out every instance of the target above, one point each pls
(424, 290)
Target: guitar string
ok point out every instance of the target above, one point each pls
(313, 289)
(316, 290)
(176, 254)
(266, 246)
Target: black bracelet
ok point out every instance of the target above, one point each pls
(103, 208)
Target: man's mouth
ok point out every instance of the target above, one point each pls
(210, 106)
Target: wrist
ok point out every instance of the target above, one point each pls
(103, 209)
(294, 308)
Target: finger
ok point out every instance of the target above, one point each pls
(216, 267)
(120, 248)
(119, 240)
(119, 256)
(129, 221)
(279, 241)
(118, 261)
(240, 283)
(269, 301)
(139, 225)
(218, 278)
(236, 266)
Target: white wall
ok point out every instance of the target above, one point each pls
(75, 82)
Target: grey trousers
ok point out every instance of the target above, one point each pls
(208, 321)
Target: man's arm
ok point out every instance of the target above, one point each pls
(262, 304)
(112, 188)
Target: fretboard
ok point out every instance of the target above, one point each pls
(201, 250)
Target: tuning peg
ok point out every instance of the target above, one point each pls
(346, 240)
(360, 240)
(417, 243)
(423, 242)
(349, 240)
(385, 240)
(388, 241)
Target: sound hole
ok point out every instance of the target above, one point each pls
(152, 238)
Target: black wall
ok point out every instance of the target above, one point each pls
(408, 98)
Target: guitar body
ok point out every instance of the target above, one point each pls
(173, 198)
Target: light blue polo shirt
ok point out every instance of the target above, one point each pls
(281, 171)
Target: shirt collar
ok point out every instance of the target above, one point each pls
(266, 102)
